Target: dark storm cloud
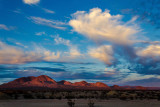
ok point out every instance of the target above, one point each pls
(128, 59)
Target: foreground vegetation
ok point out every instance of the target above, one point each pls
(122, 95)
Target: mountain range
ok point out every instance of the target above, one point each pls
(45, 82)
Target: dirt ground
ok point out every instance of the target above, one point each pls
(78, 103)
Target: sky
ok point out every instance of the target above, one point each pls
(110, 41)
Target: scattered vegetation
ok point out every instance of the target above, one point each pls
(120, 94)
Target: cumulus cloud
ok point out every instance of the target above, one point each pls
(103, 53)
(152, 51)
(73, 50)
(31, 1)
(51, 56)
(102, 26)
(14, 55)
(59, 40)
(46, 22)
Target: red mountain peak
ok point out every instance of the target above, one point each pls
(22, 80)
(44, 78)
(63, 82)
(81, 83)
(100, 84)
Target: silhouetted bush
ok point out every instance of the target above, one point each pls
(4, 96)
(123, 97)
(28, 96)
(91, 103)
(158, 98)
(71, 103)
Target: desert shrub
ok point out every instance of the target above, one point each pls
(112, 94)
(39, 95)
(71, 103)
(16, 96)
(158, 98)
(91, 103)
(103, 95)
(70, 97)
(28, 96)
(4, 96)
(132, 96)
(123, 97)
(47, 95)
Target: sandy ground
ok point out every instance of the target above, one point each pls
(78, 103)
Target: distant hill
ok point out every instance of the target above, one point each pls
(45, 82)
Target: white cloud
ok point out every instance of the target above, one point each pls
(102, 26)
(20, 44)
(14, 41)
(40, 33)
(17, 11)
(152, 51)
(103, 53)
(31, 1)
(59, 40)
(4, 27)
(135, 76)
(73, 51)
(51, 23)
(51, 56)
(48, 11)
(110, 71)
(14, 55)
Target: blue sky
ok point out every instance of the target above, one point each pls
(113, 42)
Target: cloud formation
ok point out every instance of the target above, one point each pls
(14, 55)
(103, 53)
(40, 33)
(124, 46)
(59, 40)
(152, 51)
(46, 22)
(48, 11)
(102, 26)
(73, 50)
(31, 1)
(5, 27)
